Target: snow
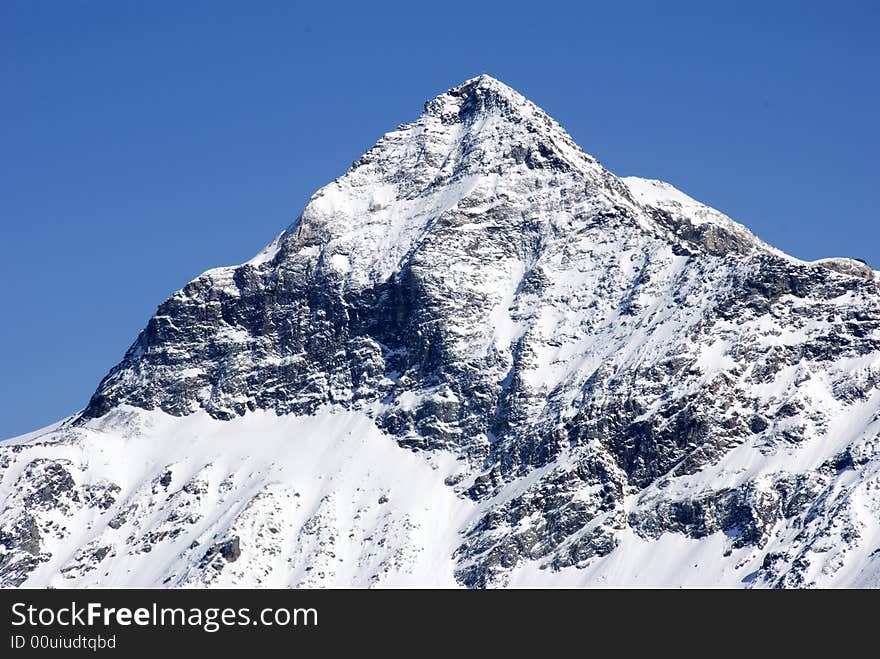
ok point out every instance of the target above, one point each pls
(269, 251)
(320, 476)
(332, 485)
(657, 193)
(672, 561)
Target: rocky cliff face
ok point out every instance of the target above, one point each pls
(613, 368)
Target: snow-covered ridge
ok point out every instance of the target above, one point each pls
(572, 378)
(660, 194)
(665, 196)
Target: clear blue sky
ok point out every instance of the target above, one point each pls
(142, 143)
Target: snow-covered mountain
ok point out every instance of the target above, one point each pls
(478, 358)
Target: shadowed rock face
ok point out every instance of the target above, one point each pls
(589, 346)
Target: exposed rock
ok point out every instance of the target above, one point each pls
(229, 550)
(850, 267)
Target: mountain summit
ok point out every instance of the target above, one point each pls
(476, 358)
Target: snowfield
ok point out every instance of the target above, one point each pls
(321, 500)
(330, 500)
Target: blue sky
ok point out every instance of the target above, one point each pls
(143, 143)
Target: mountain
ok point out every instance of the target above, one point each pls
(477, 358)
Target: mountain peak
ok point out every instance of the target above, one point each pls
(478, 95)
(512, 366)
(485, 82)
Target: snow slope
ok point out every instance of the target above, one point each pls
(326, 499)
